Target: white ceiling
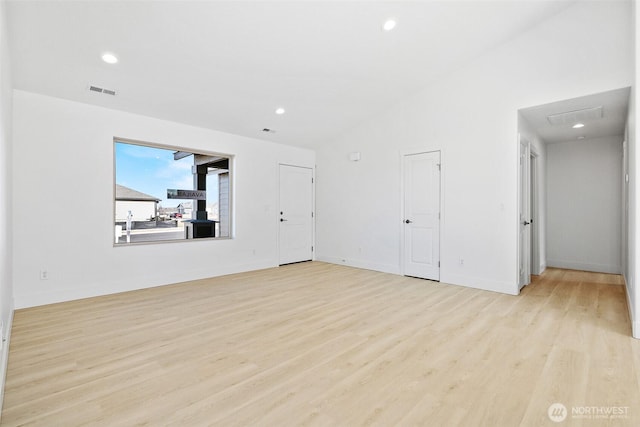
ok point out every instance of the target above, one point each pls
(615, 105)
(227, 65)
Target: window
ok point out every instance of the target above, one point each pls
(165, 194)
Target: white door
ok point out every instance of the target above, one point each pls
(421, 220)
(524, 216)
(295, 217)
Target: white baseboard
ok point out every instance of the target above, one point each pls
(469, 282)
(541, 269)
(482, 284)
(4, 357)
(366, 265)
(54, 294)
(635, 323)
(597, 268)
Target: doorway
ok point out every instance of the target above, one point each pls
(295, 218)
(576, 208)
(534, 210)
(421, 221)
(529, 213)
(524, 270)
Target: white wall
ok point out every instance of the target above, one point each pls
(539, 147)
(63, 152)
(471, 115)
(584, 200)
(633, 257)
(6, 288)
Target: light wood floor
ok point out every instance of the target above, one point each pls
(320, 344)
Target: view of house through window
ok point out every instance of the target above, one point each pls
(164, 194)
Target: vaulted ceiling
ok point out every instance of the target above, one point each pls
(228, 65)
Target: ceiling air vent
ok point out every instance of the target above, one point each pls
(577, 116)
(102, 90)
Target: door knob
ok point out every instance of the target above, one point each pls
(526, 223)
(407, 221)
(282, 220)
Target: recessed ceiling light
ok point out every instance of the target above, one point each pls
(389, 25)
(280, 111)
(578, 125)
(109, 58)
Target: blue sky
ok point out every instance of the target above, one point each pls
(152, 171)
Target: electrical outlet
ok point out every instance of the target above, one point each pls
(461, 261)
(44, 275)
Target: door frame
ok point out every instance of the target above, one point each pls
(400, 228)
(276, 216)
(624, 253)
(523, 259)
(534, 209)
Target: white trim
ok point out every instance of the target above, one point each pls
(455, 280)
(526, 198)
(481, 284)
(583, 266)
(313, 207)
(366, 265)
(52, 296)
(5, 357)
(534, 210)
(635, 323)
(543, 267)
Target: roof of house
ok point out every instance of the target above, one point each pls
(126, 193)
